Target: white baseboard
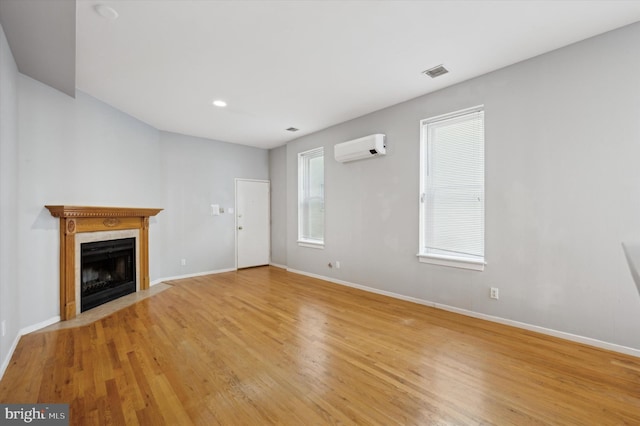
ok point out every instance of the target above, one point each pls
(5, 362)
(278, 266)
(548, 331)
(22, 332)
(197, 274)
(38, 326)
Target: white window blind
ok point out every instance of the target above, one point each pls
(452, 199)
(311, 197)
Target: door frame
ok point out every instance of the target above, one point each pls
(235, 215)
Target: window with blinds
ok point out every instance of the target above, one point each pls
(452, 190)
(311, 198)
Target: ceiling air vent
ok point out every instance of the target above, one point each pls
(436, 71)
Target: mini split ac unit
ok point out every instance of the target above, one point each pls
(357, 149)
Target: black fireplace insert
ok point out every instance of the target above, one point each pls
(108, 271)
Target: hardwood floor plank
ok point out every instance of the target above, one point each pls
(264, 346)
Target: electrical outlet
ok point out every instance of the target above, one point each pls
(494, 294)
(337, 264)
(4, 328)
(183, 262)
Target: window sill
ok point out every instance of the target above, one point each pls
(455, 262)
(311, 244)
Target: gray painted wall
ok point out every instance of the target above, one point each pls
(562, 188)
(68, 148)
(75, 152)
(278, 176)
(8, 197)
(197, 173)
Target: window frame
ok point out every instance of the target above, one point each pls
(305, 157)
(476, 263)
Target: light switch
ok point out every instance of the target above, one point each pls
(230, 210)
(215, 210)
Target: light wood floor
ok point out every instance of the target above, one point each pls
(263, 346)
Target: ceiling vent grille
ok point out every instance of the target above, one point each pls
(436, 71)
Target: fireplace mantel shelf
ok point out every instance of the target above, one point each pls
(79, 219)
(93, 211)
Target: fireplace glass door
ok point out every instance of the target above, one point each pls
(108, 271)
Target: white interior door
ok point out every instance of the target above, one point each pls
(253, 242)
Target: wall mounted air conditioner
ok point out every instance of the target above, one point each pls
(357, 149)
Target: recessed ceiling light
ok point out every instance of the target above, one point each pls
(292, 129)
(106, 11)
(436, 71)
(220, 103)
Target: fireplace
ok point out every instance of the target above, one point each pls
(107, 271)
(87, 224)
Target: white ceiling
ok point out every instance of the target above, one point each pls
(307, 64)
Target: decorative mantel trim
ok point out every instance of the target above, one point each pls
(77, 219)
(91, 211)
